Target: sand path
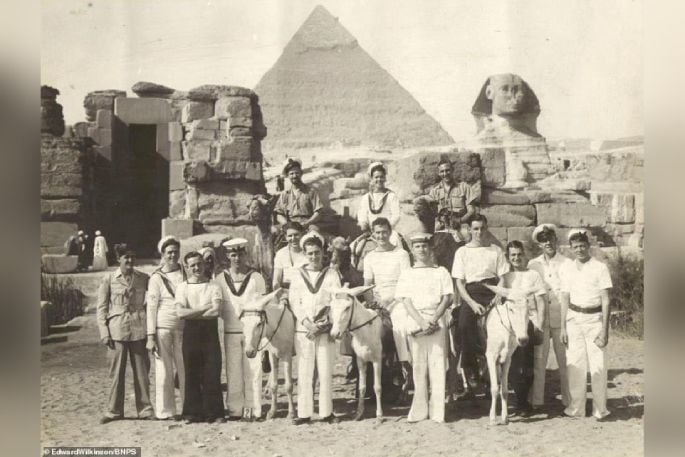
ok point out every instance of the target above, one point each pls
(74, 384)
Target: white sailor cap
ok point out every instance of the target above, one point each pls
(309, 235)
(421, 237)
(543, 227)
(235, 244)
(164, 242)
(576, 231)
(98, 233)
(291, 163)
(206, 250)
(81, 232)
(376, 165)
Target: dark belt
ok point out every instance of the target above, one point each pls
(591, 310)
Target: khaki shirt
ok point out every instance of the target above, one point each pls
(455, 198)
(121, 307)
(298, 204)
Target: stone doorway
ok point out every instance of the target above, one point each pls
(146, 178)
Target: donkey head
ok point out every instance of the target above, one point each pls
(342, 306)
(254, 319)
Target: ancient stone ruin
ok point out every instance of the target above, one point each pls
(181, 163)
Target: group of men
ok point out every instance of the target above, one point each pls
(91, 253)
(569, 307)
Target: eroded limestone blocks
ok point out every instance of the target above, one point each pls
(51, 118)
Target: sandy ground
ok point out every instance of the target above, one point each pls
(74, 389)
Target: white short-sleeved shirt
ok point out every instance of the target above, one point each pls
(425, 287)
(289, 261)
(233, 304)
(474, 264)
(526, 280)
(390, 209)
(549, 271)
(383, 269)
(161, 311)
(585, 281)
(194, 296)
(306, 304)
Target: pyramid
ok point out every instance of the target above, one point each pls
(325, 90)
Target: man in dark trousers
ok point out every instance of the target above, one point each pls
(198, 303)
(122, 323)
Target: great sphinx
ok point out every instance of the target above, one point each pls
(506, 106)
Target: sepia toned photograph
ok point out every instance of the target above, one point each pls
(353, 227)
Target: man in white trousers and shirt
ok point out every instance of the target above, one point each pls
(241, 286)
(426, 291)
(548, 265)
(310, 301)
(165, 329)
(585, 285)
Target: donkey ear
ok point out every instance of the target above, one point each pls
(265, 299)
(357, 291)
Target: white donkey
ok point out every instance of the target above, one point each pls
(270, 325)
(507, 326)
(349, 315)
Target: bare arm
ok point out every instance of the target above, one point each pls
(368, 295)
(445, 301)
(564, 300)
(315, 218)
(188, 313)
(603, 338)
(415, 314)
(278, 278)
(470, 211)
(541, 308)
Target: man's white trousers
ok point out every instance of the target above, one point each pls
(428, 356)
(583, 355)
(168, 361)
(243, 377)
(317, 353)
(537, 393)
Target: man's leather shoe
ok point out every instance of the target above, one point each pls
(331, 419)
(108, 419)
(301, 420)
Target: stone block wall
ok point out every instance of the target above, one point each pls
(66, 191)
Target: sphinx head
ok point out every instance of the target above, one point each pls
(507, 93)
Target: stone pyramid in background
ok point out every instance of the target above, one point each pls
(326, 90)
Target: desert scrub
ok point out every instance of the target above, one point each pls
(627, 294)
(67, 301)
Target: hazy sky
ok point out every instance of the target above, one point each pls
(583, 59)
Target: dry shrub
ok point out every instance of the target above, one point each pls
(627, 295)
(67, 301)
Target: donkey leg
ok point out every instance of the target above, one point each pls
(505, 390)
(361, 365)
(377, 388)
(273, 385)
(494, 387)
(288, 375)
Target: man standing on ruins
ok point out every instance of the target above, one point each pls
(300, 203)
(122, 323)
(456, 198)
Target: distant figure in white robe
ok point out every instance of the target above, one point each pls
(99, 252)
